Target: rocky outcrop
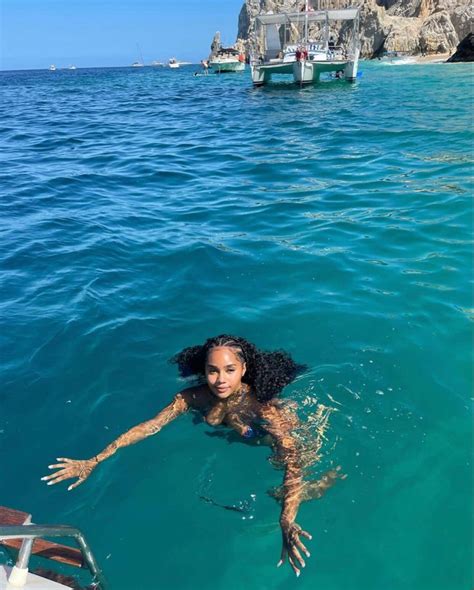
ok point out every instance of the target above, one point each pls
(408, 26)
(462, 19)
(437, 34)
(465, 50)
(216, 44)
(240, 45)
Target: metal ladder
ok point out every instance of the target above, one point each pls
(30, 532)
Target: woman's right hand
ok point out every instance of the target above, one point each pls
(293, 546)
(69, 468)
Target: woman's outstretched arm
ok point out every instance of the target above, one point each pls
(280, 423)
(69, 468)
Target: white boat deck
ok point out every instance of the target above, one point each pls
(32, 582)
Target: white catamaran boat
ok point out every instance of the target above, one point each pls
(227, 59)
(302, 45)
(173, 63)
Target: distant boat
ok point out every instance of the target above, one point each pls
(71, 67)
(227, 59)
(157, 63)
(52, 68)
(140, 63)
(173, 63)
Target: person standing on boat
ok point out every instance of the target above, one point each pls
(238, 387)
(331, 46)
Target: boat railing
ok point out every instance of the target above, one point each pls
(314, 54)
(29, 532)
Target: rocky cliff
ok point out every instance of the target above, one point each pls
(411, 26)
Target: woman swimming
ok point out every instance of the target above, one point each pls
(240, 384)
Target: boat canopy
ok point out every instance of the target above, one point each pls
(231, 50)
(281, 18)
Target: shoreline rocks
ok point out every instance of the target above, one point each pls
(464, 51)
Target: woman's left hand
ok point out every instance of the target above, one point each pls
(292, 546)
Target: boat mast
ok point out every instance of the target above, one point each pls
(139, 51)
(306, 22)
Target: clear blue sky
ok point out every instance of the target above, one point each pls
(37, 33)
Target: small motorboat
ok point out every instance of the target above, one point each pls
(227, 59)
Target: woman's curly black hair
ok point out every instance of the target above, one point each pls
(267, 372)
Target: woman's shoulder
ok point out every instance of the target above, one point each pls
(195, 396)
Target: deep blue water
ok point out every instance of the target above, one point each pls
(145, 210)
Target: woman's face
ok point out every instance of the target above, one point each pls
(224, 371)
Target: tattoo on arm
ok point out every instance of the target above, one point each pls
(178, 406)
(280, 424)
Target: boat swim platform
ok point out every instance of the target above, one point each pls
(41, 548)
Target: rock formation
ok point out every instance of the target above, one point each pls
(465, 50)
(216, 44)
(408, 26)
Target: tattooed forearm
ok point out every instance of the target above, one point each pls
(149, 428)
(280, 424)
(81, 469)
(293, 480)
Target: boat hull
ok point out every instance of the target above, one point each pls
(306, 71)
(227, 66)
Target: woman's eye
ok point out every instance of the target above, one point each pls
(231, 370)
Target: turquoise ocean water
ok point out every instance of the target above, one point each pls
(145, 210)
